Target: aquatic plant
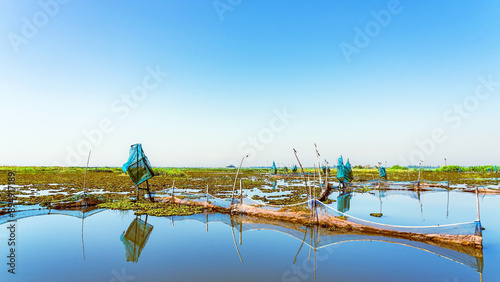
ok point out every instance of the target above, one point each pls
(152, 208)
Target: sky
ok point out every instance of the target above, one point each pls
(205, 83)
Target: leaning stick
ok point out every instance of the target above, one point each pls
(301, 169)
(236, 178)
(319, 167)
(241, 193)
(314, 178)
(326, 180)
(85, 177)
(173, 186)
(85, 180)
(477, 204)
(419, 170)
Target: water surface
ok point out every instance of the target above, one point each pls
(69, 248)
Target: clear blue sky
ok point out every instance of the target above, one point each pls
(65, 66)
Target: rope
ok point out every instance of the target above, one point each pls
(390, 225)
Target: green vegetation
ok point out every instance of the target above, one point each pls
(456, 168)
(397, 167)
(152, 208)
(376, 214)
(329, 201)
(48, 185)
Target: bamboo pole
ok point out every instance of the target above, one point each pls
(149, 192)
(312, 203)
(173, 187)
(137, 173)
(326, 177)
(314, 179)
(447, 176)
(447, 203)
(241, 193)
(85, 180)
(301, 169)
(236, 178)
(85, 177)
(419, 170)
(310, 193)
(207, 193)
(319, 167)
(477, 204)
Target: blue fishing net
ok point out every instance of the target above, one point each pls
(138, 166)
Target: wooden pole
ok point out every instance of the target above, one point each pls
(326, 177)
(312, 207)
(241, 193)
(319, 167)
(447, 203)
(301, 169)
(137, 173)
(477, 204)
(236, 178)
(419, 170)
(447, 176)
(310, 194)
(173, 187)
(85, 180)
(379, 167)
(149, 192)
(207, 193)
(85, 177)
(314, 179)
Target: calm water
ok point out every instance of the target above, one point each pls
(50, 247)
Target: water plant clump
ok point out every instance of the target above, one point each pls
(152, 208)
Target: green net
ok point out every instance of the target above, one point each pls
(317, 238)
(274, 170)
(382, 172)
(78, 213)
(344, 172)
(348, 168)
(135, 238)
(138, 166)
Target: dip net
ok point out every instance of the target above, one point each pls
(317, 238)
(324, 211)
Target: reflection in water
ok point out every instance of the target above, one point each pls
(136, 237)
(311, 239)
(316, 238)
(344, 201)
